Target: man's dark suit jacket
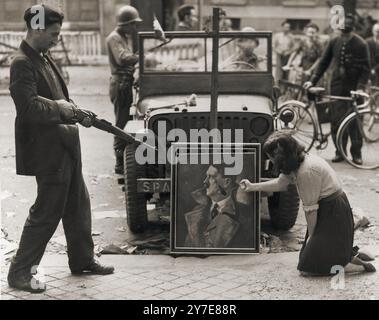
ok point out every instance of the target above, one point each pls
(356, 65)
(231, 228)
(42, 130)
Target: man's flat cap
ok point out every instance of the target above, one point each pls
(51, 15)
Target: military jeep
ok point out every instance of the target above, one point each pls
(172, 71)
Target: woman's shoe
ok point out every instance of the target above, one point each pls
(369, 267)
(365, 256)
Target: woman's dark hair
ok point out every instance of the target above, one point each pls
(286, 152)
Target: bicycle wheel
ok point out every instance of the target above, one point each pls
(303, 127)
(374, 101)
(366, 124)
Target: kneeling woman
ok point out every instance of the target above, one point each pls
(329, 239)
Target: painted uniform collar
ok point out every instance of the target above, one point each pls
(225, 205)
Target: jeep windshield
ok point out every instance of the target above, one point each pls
(191, 52)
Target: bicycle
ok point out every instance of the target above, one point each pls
(373, 92)
(306, 126)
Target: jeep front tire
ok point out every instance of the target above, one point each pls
(283, 208)
(136, 212)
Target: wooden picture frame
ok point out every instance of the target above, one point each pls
(197, 227)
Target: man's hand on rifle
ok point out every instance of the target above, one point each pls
(84, 117)
(73, 114)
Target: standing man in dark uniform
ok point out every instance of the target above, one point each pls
(122, 60)
(348, 54)
(48, 147)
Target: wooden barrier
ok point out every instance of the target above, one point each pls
(82, 46)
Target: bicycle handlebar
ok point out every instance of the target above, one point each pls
(359, 93)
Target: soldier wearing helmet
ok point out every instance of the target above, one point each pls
(245, 57)
(122, 61)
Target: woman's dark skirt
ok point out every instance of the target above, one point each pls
(332, 242)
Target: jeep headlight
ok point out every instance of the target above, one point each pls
(259, 126)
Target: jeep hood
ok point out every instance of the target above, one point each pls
(226, 103)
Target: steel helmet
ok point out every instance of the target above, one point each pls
(251, 29)
(126, 15)
(248, 29)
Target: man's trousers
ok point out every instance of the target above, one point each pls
(121, 94)
(62, 195)
(338, 111)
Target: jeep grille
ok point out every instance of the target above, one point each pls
(256, 126)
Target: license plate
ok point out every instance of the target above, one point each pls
(153, 185)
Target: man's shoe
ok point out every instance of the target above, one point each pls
(94, 268)
(358, 160)
(26, 283)
(337, 158)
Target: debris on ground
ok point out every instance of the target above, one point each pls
(112, 249)
(360, 221)
(115, 249)
(121, 229)
(96, 233)
(108, 214)
(158, 241)
(7, 247)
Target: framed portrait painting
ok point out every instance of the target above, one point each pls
(210, 214)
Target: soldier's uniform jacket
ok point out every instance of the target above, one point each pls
(350, 64)
(120, 53)
(42, 130)
(228, 228)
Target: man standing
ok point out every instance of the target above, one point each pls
(187, 19)
(373, 45)
(48, 147)
(219, 221)
(283, 45)
(348, 54)
(122, 61)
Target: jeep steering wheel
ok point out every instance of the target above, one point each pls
(241, 63)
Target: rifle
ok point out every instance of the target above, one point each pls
(106, 126)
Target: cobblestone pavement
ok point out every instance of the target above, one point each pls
(265, 276)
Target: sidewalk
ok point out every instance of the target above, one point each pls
(138, 277)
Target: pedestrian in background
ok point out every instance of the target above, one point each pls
(283, 45)
(348, 56)
(373, 45)
(187, 18)
(122, 60)
(305, 57)
(48, 148)
(329, 239)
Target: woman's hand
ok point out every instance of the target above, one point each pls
(246, 185)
